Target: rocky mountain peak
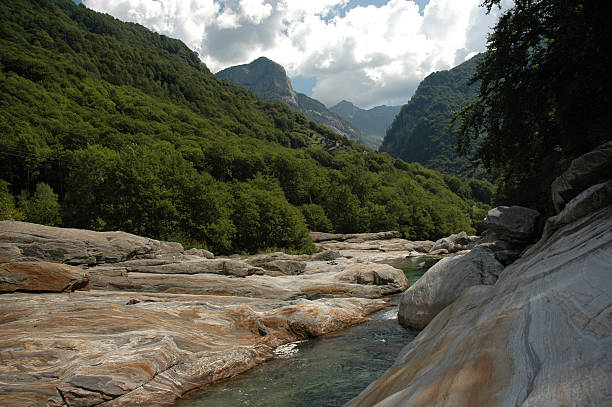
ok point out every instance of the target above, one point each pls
(263, 77)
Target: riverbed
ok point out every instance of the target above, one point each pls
(321, 372)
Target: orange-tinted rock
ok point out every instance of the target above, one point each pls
(130, 348)
(41, 277)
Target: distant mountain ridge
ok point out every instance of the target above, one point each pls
(421, 133)
(373, 122)
(269, 80)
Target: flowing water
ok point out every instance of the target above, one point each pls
(320, 372)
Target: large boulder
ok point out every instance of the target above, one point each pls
(539, 337)
(586, 170)
(593, 198)
(512, 223)
(444, 282)
(41, 277)
(279, 263)
(453, 243)
(374, 274)
(32, 242)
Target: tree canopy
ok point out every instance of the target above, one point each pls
(128, 130)
(544, 96)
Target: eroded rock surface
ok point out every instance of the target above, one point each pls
(129, 348)
(161, 321)
(29, 241)
(41, 277)
(444, 282)
(586, 170)
(453, 244)
(539, 336)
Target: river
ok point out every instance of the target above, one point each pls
(321, 372)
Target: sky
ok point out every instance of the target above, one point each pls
(369, 52)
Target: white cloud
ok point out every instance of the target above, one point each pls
(368, 55)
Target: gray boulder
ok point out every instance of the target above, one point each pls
(453, 243)
(200, 253)
(593, 198)
(279, 263)
(512, 223)
(32, 242)
(444, 282)
(589, 169)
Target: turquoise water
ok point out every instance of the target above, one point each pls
(322, 372)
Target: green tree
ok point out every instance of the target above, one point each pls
(7, 204)
(42, 207)
(544, 95)
(316, 219)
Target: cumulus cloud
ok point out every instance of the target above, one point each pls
(366, 54)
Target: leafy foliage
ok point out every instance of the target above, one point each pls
(544, 96)
(42, 207)
(7, 204)
(421, 132)
(133, 132)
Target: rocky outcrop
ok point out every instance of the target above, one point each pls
(160, 321)
(126, 349)
(539, 336)
(29, 241)
(41, 277)
(509, 231)
(593, 198)
(586, 170)
(444, 282)
(512, 223)
(374, 274)
(355, 237)
(453, 244)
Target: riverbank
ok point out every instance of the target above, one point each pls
(110, 318)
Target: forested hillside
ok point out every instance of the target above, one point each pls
(421, 132)
(106, 125)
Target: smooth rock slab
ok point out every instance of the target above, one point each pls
(541, 336)
(41, 277)
(127, 349)
(444, 282)
(29, 241)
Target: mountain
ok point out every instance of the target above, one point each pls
(420, 132)
(269, 80)
(373, 123)
(105, 125)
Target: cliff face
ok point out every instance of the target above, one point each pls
(373, 122)
(539, 336)
(421, 132)
(264, 77)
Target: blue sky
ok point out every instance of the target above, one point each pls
(369, 52)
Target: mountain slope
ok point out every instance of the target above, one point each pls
(269, 80)
(133, 133)
(420, 132)
(373, 123)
